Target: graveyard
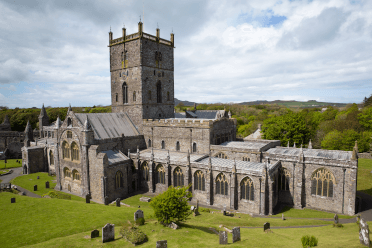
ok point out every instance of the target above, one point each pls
(52, 222)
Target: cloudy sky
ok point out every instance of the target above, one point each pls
(55, 52)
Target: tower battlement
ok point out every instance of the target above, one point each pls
(140, 34)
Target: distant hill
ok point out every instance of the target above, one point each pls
(186, 103)
(293, 104)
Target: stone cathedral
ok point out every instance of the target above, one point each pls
(143, 145)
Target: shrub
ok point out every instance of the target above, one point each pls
(140, 221)
(59, 195)
(132, 233)
(308, 241)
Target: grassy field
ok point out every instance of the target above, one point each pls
(11, 163)
(43, 222)
(365, 175)
(28, 182)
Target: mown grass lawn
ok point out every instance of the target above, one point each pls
(11, 163)
(365, 175)
(33, 220)
(28, 182)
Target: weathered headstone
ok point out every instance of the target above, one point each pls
(138, 214)
(87, 198)
(223, 238)
(94, 234)
(364, 233)
(283, 217)
(118, 202)
(266, 226)
(192, 208)
(12, 200)
(235, 234)
(47, 185)
(161, 244)
(173, 226)
(107, 200)
(224, 210)
(35, 187)
(108, 232)
(336, 219)
(145, 199)
(38, 177)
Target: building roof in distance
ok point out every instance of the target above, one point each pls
(115, 156)
(311, 153)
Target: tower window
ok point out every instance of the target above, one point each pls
(154, 73)
(158, 92)
(125, 93)
(162, 74)
(194, 147)
(168, 96)
(177, 146)
(116, 96)
(122, 56)
(162, 144)
(134, 96)
(149, 94)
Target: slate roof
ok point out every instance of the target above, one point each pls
(208, 114)
(109, 125)
(311, 153)
(115, 156)
(174, 156)
(179, 115)
(254, 145)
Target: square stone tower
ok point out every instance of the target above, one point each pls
(142, 75)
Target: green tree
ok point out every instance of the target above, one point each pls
(337, 140)
(172, 205)
(365, 118)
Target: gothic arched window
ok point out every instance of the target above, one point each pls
(51, 158)
(125, 93)
(246, 159)
(160, 174)
(76, 175)
(118, 180)
(134, 96)
(162, 144)
(65, 150)
(247, 189)
(322, 182)
(194, 147)
(177, 146)
(222, 186)
(66, 172)
(116, 97)
(284, 177)
(168, 96)
(177, 177)
(221, 155)
(158, 92)
(199, 181)
(75, 151)
(150, 143)
(145, 171)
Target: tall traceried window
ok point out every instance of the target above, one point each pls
(199, 181)
(222, 185)
(75, 152)
(177, 146)
(322, 182)
(162, 144)
(247, 189)
(145, 171)
(194, 147)
(125, 93)
(65, 150)
(284, 177)
(221, 155)
(158, 92)
(160, 174)
(177, 177)
(76, 175)
(118, 180)
(51, 158)
(66, 172)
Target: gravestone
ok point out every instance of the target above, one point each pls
(108, 232)
(12, 200)
(336, 219)
(138, 214)
(223, 238)
(173, 226)
(87, 198)
(94, 234)
(283, 217)
(192, 208)
(364, 233)
(107, 200)
(224, 210)
(38, 177)
(118, 202)
(47, 185)
(145, 199)
(161, 244)
(35, 187)
(266, 226)
(235, 234)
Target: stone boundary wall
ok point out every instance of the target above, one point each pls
(365, 155)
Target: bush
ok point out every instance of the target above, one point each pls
(132, 234)
(59, 195)
(140, 221)
(308, 241)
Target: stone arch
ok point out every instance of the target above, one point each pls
(76, 175)
(247, 189)
(66, 172)
(322, 182)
